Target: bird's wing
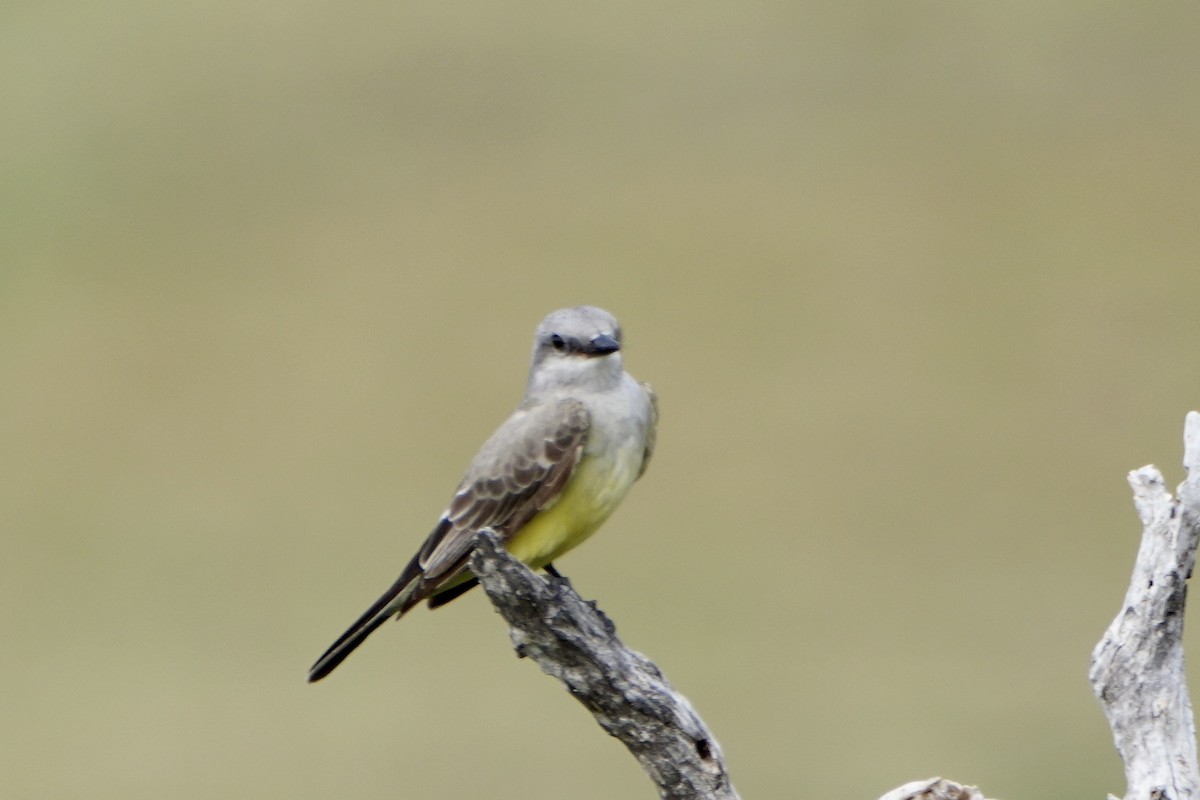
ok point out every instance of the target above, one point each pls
(651, 429)
(519, 471)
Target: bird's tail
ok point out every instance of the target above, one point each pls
(398, 599)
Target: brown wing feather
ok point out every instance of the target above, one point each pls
(518, 472)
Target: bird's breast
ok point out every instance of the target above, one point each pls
(611, 462)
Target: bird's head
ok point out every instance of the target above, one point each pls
(576, 347)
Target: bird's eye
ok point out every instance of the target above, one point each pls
(557, 342)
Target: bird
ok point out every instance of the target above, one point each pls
(549, 476)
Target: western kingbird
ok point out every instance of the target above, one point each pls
(545, 480)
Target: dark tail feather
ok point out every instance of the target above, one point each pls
(379, 613)
(441, 598)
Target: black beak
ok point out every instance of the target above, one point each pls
(602, 345)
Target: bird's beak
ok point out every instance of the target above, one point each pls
(602, 345)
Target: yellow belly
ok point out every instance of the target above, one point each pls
(593, 493)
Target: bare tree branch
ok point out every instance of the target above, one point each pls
(573, 641)
(1137, 669)
(933, 789)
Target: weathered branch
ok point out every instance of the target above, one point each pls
(1137, 669)
(933, 789)
(573, 641)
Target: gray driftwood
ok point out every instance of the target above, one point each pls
(933, 789)
(573, 641)
(1137, 668)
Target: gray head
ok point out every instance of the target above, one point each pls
(576, 347)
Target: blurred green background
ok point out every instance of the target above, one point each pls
(916, 284)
